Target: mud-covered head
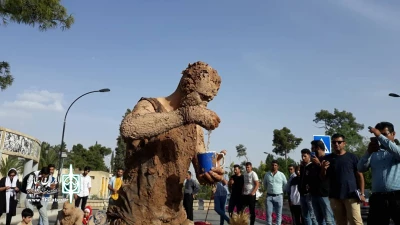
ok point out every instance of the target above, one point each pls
(68, 209)
(199, 84)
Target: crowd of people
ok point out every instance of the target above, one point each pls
(40, 188)
(324, 189)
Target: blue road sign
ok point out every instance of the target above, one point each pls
(327, 141)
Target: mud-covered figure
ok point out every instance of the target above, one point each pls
(163, 136)
(69, 215)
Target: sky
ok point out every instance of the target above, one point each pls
(280, 63)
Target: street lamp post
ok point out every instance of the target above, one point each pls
(62, 137)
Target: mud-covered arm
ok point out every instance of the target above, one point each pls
(144, 122)
(200, 147)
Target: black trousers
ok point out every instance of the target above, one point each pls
(8, 218)
(383, 207)
(78, 201)
(188, 205)
(250, 201)
(296, 214)
(235, 201)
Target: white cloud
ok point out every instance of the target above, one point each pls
(375, 11)
(30, 101)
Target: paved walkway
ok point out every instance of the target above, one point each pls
(199, 215)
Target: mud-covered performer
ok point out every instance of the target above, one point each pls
(163, 136)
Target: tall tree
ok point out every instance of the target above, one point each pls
(241, 151)
(92, 157)
(6, 79)
(341, 122)
(284, 142)
(119, 157)
(47, 14)
(48, 155)
(111, 161)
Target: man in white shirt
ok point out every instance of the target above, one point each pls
(86, 185)
(274, 183)
(250, 188)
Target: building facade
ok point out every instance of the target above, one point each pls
(14, 143)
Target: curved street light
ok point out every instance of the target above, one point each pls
(60, 166)
(394, 95)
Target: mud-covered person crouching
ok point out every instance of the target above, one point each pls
(163, 136)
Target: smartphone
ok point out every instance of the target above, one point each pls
(12, 187)
(313, 154)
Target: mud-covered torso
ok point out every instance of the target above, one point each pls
(157, 168)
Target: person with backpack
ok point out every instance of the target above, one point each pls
(34, 184)
(52, 180)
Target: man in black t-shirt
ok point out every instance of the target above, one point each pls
(340, 168)
(319, 189)
(236, 183)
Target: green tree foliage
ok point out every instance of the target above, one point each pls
(359, 152)
(342, 122)
(48, 155)
(93, 157)
(6, 79)
(284, 142)
(119, 157)
(11, 162)
(241, 152)
(205, 192)
(48, 14)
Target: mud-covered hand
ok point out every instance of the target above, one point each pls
(220, 156)
(200, 115)
(214, 176)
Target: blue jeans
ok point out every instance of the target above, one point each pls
(42, 210)
(307, 210)
(219, 207)
(274, 204)
(322, 210)
(45, 203)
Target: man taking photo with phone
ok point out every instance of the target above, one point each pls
(383, 157)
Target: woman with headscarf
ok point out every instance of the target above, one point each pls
(9, 187)
(88, 216)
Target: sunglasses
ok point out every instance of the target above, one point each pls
(339, 142)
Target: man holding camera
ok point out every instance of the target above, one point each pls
(383, 157)
(37, 184)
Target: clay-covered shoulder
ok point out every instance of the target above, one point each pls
(143, 107)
